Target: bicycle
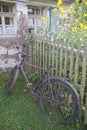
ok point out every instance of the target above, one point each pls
(57, 97)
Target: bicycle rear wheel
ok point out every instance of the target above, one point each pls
(12, 80)
(59, 101)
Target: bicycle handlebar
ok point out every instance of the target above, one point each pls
(24, 54)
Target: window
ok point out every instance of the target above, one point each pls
(9, 26)
(30, 11)
(6, 20)
(6, 8)
(34, 21)
(33, 11)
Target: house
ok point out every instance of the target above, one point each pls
(25, 15)
(20, 16)
(16, 15)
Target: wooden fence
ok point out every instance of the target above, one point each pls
(67, 60)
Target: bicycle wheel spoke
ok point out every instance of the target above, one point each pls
(61, 107)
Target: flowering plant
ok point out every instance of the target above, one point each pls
(78, 19)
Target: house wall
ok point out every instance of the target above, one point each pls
(21, 17)
(57, 22)
(7, 42)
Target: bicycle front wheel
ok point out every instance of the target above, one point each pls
(12, 80)
(59, 101)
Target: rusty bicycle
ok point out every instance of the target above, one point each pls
(57, 97)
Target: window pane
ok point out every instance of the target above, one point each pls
(30, 11)
(9, 26)
(0, 20)
(9, 30)
(8, 21)
(0, 8)
(6, 8)
(38, 11)
(39, 22)
(1, 30)
(31, 22)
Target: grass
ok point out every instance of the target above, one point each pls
(19, 111)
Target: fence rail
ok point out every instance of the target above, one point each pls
(66, 61)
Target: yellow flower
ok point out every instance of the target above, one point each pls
(84, 27)
(59, 2)
(61, 10)
(85, 15)
(68, 10)
(81, 25)
(74, 29)
(42, 18)
(85, 3)
(73, 10)
(55, 10)
(77, 1)
(72, 7)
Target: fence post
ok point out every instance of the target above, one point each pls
(65, 58)
(83, 72)
(61, 59)
(57, 56)
(85, 114)
(77, 64)
(71, 59)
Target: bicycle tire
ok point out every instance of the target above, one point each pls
(12, 80)
(58, 109)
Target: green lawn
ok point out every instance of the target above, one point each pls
(19, 111)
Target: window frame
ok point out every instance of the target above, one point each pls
(7, 14)
(35, 16)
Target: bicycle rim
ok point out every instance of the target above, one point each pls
(59, 107)
(11, 80)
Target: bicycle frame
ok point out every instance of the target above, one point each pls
(22, 63)
(46, 72)
(50, 89)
